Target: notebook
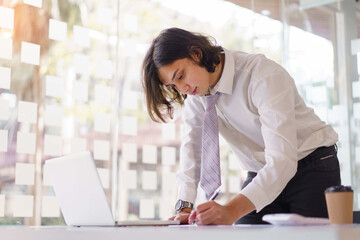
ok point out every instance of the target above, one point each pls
(81, 195)
(293, 219)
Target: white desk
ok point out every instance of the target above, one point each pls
(329, 232)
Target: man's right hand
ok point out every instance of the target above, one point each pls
(182, 216)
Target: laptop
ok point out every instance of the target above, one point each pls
(81, 195)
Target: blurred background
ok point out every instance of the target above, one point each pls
(70, 80)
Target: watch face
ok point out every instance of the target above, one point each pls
(178, 205)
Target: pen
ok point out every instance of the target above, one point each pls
(215, 194)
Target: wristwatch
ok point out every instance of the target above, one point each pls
(180, 204)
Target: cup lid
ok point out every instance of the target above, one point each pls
(340, 188)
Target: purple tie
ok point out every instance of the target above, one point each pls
(210, 178)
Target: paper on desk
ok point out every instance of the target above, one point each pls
(292, 219)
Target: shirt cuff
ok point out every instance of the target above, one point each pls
(187, 194)
(256, 195)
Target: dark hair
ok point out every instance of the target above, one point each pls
(173, 44)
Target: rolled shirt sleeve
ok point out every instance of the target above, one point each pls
(273, 96)
(188, 175)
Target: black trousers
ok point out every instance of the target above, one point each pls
(304, 193)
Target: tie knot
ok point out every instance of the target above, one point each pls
(211, 100)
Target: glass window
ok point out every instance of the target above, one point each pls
(70, 81)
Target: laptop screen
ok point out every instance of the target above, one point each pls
(79, 190)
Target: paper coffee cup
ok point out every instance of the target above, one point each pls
(339, 202)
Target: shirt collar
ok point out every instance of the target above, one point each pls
(225, 83)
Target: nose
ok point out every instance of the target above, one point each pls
(184, 88)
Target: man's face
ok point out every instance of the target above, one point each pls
(186, 76)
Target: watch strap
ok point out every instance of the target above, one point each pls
(181, 204)
(187, 205)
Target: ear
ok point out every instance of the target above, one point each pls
(196, 54)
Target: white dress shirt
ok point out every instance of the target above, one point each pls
(263, 119)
